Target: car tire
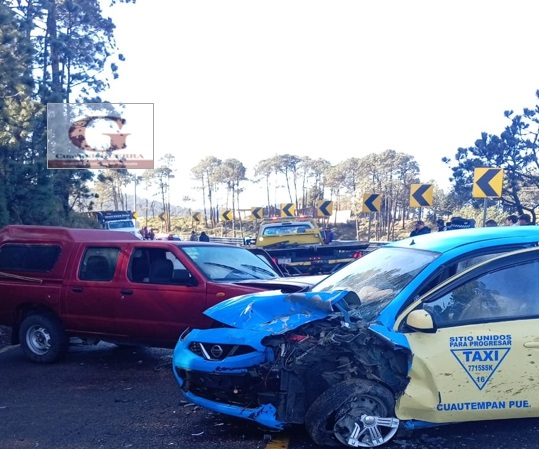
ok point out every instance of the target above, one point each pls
(43, 338)
(355, 413)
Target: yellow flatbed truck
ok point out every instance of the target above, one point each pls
(297, 246)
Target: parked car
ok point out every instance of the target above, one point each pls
(57, 283)
(434, 329)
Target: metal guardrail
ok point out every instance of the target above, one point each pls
(238, 241)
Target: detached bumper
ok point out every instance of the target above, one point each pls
(264, 415)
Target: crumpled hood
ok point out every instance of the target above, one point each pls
(277, 313)
(287, 284)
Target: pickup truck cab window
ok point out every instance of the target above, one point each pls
(156, 266)
(98, 264)
(38, 258)
(286, 229)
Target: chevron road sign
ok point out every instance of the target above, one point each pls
(257, 212)
(488, 183)
(197, 216)
(324, 208)
(135, 215)
(421, 195)
(372, 202)
(226, 215)
(288, 210)
(162, 216)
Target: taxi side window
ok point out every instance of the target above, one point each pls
(457, 267)
(463, 264)
(452, 269)
(510, 293)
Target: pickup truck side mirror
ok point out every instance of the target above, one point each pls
(420, 320)
(183, 277)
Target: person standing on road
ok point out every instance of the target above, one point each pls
(511, 220)
(441, 225)
(491, 223)
(420, 229)
(194, 237)
(204, 237)
(524, 220)
(328, 235)
(144, 232)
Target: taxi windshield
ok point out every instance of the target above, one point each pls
(378, 277)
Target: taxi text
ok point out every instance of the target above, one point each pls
(485, 405)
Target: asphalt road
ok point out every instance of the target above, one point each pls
(105, 397)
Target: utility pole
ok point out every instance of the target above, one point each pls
(135, 205)
(169, 177)
(137, 179)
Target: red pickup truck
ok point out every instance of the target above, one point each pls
(97, 285)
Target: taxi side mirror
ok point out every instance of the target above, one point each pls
(420, 320)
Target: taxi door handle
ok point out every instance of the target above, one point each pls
(77, 289)
(126, 292)
(531, 344)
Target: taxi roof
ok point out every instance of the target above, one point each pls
(447, 240)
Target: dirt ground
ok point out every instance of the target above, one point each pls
(5, 336)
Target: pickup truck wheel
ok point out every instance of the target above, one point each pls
(43, 338)
(355, 413)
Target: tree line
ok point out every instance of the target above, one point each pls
(64, 51)
(51, 52)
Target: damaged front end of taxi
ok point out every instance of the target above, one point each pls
(277, 354)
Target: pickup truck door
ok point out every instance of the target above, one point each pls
(159, 297)
(91, 290)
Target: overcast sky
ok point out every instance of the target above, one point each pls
(249, 79)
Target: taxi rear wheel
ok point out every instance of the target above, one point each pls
(356, 413)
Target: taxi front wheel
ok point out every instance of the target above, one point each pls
(42, 337)
(356, 413)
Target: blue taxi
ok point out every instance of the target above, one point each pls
(439, 328)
